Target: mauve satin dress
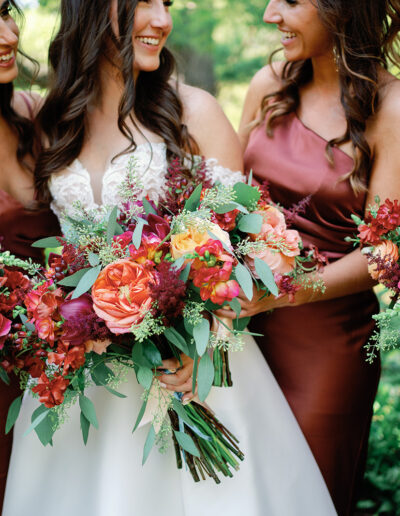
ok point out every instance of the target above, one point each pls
(19, 228)
(316, 350)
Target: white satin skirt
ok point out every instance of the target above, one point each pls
(279, 476)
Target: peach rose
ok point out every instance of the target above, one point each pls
(186, 243)
(292, 241)
(121, 294)
(273, 221)
(277, 261)
(386, 250)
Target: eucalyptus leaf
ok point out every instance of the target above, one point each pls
(194, 200)
(86, 282)
(4, 376)
(226, 208)
(195, 372)
(184, 275)
(140, 415)
(85, 427)
(115, 393)
(151, 438)
(246, 194)
(88, 410)
(180, 410)
(101, 374)
(178, 263)
(13, 413)
(74, 279)
(205, 376)
(137, 234)
(138, 356)
(151, 353)
(45, 429)
(240, 324)
(145, 377)
(266, 276)
(48, 242)
(37, 420)
(176, 339)
(112, 224)
(245, 280)
(94, 259)
(250, 178)
(201, 334)
(148, 208)
(236, 306)
(250, 223)
(187, 443)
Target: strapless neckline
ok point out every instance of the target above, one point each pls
(320, 137)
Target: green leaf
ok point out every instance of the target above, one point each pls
(148, 208)
(137, 234)
(246, 194)
(236, 306)
(140, 415)
(13, 413)
(195, 372)
(4, 376)
(145, 377)
(151, 353)
(151, 438)
(201, 334)
(240, 324)
(115, 393)
(38, 419)
(226, 208)
(187, 443)
(250, 178)
(74, 279)
(188, 326)
(25, 321)
(266, 276)
(250, 223)
(101, 374)
(176, 339)
(138, 356)
(45, 429)
(184, 275)
(178, 263)
(245, 281)
(88, 410)
(85, 427)
(194, 200)
(205, 376)
(48, 242)
(180, 410)
(94, 259)
(112, 224)
(86, 282)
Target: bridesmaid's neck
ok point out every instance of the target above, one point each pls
(325, 75)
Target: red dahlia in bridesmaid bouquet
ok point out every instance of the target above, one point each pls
(379, 237)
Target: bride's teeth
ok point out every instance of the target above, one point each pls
(150, 41)
(289, 35)
(7, 57)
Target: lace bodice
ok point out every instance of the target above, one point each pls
(73, 183)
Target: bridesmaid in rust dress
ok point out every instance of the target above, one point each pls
(324, 124)
(19, 224)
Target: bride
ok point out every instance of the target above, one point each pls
(112, 97)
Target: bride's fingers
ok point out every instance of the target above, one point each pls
(179, 378)
(172, 364)
(183, 387)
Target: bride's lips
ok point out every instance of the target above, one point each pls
(150, 42)
(7, 58)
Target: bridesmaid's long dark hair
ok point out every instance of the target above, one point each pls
(365, 36)
(23, 127)
(82, 41)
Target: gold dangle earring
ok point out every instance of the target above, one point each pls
(336, 57)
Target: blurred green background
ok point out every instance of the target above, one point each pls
(220, 44)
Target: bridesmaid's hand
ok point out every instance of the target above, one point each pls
(257, 305)
(181, 379)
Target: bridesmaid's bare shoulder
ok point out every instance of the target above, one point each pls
(265, 81)
(22, 99)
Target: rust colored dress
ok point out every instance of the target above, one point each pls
(316, 350)
(19, 228)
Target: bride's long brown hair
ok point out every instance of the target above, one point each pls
(82, 41)
(23, 127)
(365, 36)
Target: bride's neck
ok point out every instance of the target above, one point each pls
(110, 92)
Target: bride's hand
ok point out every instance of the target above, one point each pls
(181, 380)
(258, 304)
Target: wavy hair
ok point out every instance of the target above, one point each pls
(23, 127)
(365, 36)
(75, 54)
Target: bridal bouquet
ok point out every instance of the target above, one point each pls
(379, 236)
(134, 284)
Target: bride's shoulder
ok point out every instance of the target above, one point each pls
(198, 103)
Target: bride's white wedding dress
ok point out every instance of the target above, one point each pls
(279, 476)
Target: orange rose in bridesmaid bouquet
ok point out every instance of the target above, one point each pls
(277, 261)
(121, 295)
(386, 250)
(273, 221)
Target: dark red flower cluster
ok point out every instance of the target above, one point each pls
(66, 264)
(317, 259)
(287, 286)
(387, 219)
(169, 291)
(16, 285)
(226, 221)
(387, 270)
(296, 210)
(51, 392)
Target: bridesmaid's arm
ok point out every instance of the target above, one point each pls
(349, 275)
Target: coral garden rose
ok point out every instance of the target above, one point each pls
(186, 243)
(121, 294)
(388, 251)
(291, 240)
(277, 261)
(273, 221)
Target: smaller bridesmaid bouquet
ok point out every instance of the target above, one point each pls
(379, 237)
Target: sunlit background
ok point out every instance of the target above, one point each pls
(220, 44)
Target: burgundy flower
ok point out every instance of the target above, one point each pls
(169, 292)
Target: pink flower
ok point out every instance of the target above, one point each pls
(277, 261)
(292, 242)
(273, 222)
(224, 291)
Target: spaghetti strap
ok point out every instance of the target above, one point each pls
(28, 102)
